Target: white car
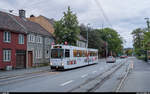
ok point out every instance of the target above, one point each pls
(110, 59)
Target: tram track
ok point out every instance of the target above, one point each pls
(17, 78)
(100, 79)
(103, 79)
(123, 78)
(10, 76)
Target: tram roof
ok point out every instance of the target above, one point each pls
(75, 47)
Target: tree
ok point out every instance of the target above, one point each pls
(129, 51)
(98, 38)
(147, 40)
(94, 38)
(113, 39)
(138, 39)
(67, 28)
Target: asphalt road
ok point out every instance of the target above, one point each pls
(64, 81)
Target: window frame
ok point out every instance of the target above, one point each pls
(6, 55)
(21, 39)
(68, 52)
(6, 36)
(31, 38)
(47, 55)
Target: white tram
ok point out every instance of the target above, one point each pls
(67, 57)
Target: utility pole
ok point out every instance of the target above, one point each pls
(147, 21)
(87, 35)
(106, 49)
(146, 52)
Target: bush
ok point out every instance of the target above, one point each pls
(142, 57)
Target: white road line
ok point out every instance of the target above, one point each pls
(66, 83)
(94, 71)
(84, 75)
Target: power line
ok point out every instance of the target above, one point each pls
(9, 11)
(104, 14)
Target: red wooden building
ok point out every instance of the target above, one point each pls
(13, 42)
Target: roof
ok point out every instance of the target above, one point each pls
(32, 26)
(7, 23)
(12, 22)
(74, 47)
(49, 20)
(81, 38)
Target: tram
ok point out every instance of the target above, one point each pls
(68, 57)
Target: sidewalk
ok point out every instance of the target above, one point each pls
(23, 71)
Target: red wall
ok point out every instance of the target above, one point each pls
(13, 45)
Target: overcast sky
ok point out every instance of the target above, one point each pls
(123, 15)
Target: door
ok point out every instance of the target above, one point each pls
(30, 58)
(20, 59)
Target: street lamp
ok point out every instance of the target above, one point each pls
(87, 35)
(146, 57)
(147, 23)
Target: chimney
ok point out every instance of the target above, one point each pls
(32, 16)
(22, 13)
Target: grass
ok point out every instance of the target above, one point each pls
(142, 57)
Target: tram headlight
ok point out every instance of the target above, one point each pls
(51, 63)
(62, 63)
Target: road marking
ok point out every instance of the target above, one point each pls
(84, 75)
(131, 65)
(94, 71)
(66, 83)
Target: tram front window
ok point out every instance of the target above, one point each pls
(57, 53)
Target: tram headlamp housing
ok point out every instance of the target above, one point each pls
(62, 63)
(51, 63)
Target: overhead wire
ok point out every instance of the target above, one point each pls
(103, 12)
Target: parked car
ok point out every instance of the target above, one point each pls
(123, 56)
(110, 59)
(126, 56)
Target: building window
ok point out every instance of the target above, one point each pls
(6, 55)
(39, 53)
(47, 41)
(21, 39)
(7, 36)
(47, 54)
(31, 38)
(38, 39)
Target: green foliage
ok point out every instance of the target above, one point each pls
(147, 40)
(67, 28)
(138, 38)
(113, 39)
(142, 57)
(129, 52)
(98, 37)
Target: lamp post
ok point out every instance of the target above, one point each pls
(87, 35)
(147, 21)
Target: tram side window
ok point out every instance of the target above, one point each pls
(83, 53)
(74, 53)
(67, 53)
(78, 53)
(91, 54)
